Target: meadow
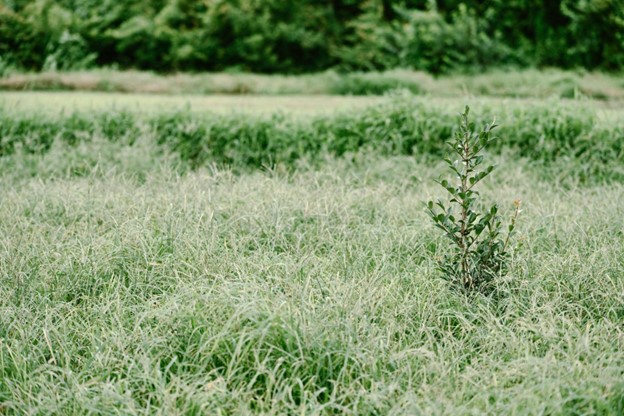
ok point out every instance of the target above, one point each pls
(272, 255)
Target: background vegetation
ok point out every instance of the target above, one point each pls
(271, 36)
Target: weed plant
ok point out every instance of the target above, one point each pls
(478, 253)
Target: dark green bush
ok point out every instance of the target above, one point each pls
(433, 44)
(20, 43)
(304, 36)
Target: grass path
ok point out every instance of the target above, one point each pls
(528, 83)
(63, 101)
(153, 103)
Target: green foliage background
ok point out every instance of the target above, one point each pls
(272, 36)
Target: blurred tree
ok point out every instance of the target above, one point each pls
(311, 35)
(596, 31)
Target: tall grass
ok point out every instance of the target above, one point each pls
(559, 139)
(134, 288)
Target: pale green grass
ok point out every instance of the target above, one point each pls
(528, 83)
(55, 102)
(69, 102)
(133, 289)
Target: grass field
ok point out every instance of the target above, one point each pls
(133, 281)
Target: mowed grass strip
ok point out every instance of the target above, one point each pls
(527, 83)
(139, 287)
(51, 103)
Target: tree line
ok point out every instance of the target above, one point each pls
(297, 36)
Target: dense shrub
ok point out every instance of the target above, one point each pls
(275, 36)
(433, 44)
(20, 44)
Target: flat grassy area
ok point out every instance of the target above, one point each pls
(131, 284)
(55, 102)
(528, 83)
(65, 102)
